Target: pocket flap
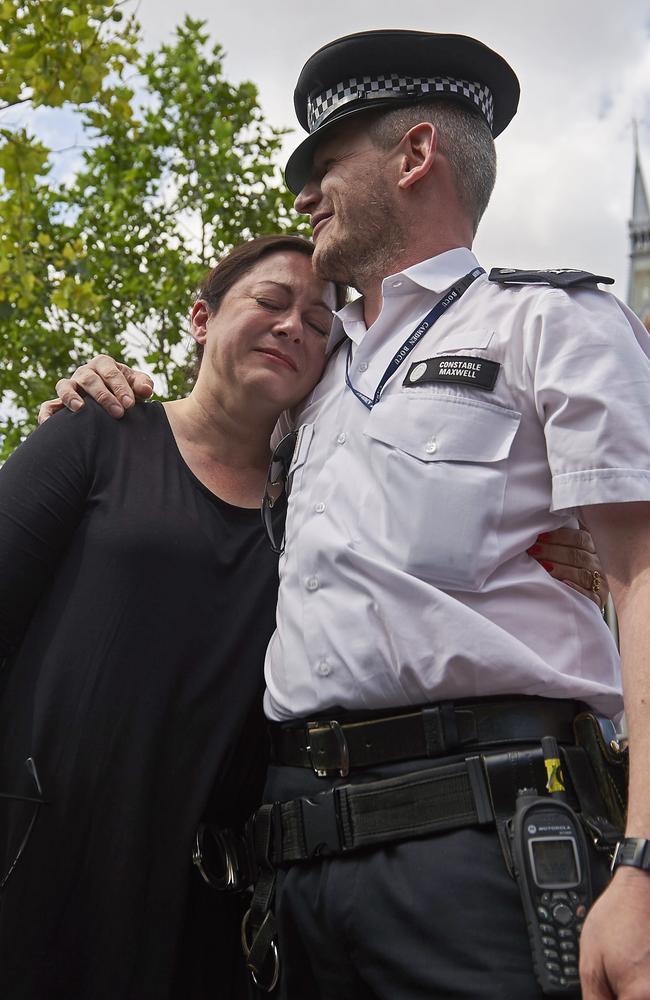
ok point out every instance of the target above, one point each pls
(476, 339)
(444, 428)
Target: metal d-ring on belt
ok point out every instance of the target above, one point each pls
(331, 747)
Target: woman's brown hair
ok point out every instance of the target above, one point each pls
(240, 261)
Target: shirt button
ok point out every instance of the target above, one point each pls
(324, 668)
(363, 367)
(342, 438)
(319, 508)
(397, 284)
(431, 447)
(312, 583)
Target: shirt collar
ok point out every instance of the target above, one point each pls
(349, 322)
(436, 274)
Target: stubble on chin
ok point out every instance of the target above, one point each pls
(330, 263)
(365, 246)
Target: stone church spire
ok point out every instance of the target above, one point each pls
(638, 296)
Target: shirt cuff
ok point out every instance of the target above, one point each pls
(580, 489)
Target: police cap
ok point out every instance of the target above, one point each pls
(383, 69)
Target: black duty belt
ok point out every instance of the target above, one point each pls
(348, 817)
(479, 791)
(330, 747)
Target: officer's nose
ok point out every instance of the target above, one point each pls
(308, 198)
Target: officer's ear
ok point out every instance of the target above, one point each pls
(417, 151)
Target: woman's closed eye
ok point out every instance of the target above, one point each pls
(269, 304)
(319, 328)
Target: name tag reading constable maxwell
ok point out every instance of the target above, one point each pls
(477, 372)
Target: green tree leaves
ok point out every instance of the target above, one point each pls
(180, 166)
(60, 51)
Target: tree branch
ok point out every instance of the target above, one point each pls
(6, 106)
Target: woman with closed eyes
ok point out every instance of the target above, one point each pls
(137, 596)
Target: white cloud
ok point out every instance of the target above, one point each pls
(565, 163)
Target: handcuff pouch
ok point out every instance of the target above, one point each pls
(609, 761)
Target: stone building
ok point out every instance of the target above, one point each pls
(638, 291)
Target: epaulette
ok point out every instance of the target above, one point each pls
(560, 277)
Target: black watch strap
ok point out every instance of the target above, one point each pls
(632, 851)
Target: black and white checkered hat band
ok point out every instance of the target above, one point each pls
(321, 106)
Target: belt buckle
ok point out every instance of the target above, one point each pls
(343, 763)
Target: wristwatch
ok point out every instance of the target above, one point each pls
(632, 851)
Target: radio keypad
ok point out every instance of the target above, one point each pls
(562, 913)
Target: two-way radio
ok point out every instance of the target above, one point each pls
(551, 863)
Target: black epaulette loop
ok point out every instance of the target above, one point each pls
(561, 277)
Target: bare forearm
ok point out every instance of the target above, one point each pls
(633, 607)
(614, 945)
(622, 536)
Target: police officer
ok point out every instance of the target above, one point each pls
(459, 417)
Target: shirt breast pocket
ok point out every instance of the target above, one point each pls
(439, 468)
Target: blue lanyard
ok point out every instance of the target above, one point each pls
(438, 310)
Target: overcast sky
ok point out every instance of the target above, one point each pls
(564, 190)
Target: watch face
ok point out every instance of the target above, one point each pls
(554, 862)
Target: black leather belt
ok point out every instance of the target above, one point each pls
(329, 746)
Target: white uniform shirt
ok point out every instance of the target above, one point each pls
(405, 577)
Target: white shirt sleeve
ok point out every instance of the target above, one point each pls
(590, 362)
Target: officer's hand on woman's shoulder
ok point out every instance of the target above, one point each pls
(111, 383)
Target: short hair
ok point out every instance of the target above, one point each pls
(465, 141)
(240, 261)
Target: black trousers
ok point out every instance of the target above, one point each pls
(430, 919)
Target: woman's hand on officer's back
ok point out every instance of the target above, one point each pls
(111, 383)
(569, 555)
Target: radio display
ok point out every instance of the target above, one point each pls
(554, 861)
